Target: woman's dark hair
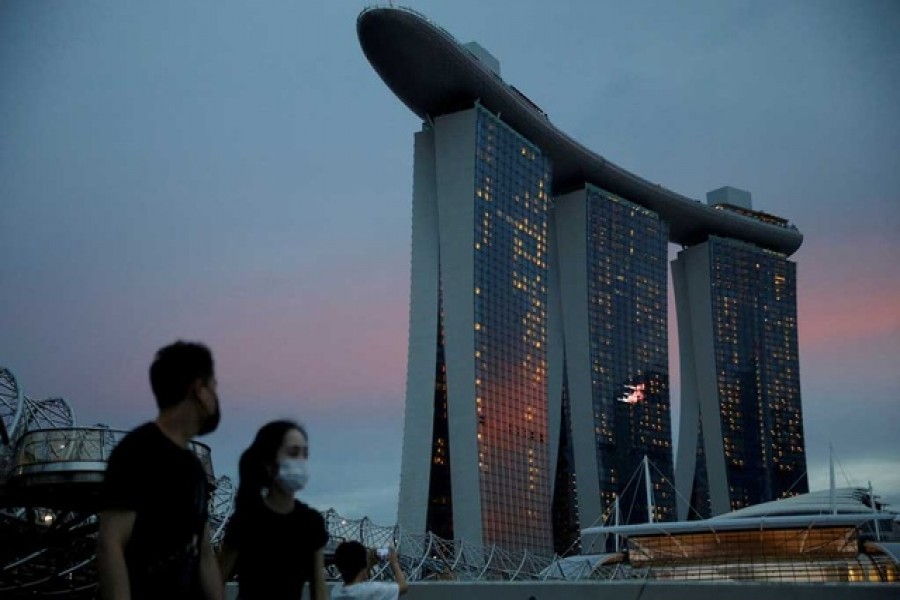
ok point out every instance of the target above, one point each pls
(350, 558)
(257, 460)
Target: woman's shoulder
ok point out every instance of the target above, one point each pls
(312, 523)
(248, 513)
(307, 513)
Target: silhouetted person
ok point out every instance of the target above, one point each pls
(154, 535)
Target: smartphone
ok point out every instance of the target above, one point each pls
(383, 553)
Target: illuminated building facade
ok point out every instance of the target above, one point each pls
(741, 421)
(478, 337)
(537, 375)
(611, 256)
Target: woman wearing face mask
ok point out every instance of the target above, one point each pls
(273, 541)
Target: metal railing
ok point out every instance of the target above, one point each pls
(425, 557)
(74, 447)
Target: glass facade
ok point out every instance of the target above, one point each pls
(627, 279)
(626, 272)
(754, 305)
(512, 180)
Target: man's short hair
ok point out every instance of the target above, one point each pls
(175, 368)
(350, 558)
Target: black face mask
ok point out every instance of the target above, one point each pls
(211, 422)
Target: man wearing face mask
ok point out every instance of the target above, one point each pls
(274, 542)
(153, 540)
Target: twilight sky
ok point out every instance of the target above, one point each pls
(236, 173)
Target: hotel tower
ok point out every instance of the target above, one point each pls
(741, 439)
(537, 375)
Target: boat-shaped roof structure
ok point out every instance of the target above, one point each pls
(823, 508)
(434, 75)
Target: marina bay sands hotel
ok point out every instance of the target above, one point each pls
(538, 367)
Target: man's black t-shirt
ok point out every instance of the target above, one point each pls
(167, 488)
(276, 552)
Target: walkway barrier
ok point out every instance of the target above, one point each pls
(76, 449)
(427, 557)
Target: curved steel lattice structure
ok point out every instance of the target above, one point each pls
(51, 521)
(47, 528)
(49, 413)
(64, 449)
(434, 75)
(20, 415)
(50, 477)
(12, 402)
(221, 505)
(426, 557)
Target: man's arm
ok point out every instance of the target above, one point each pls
(399, 576)
(210, 579)
(115, 531)
(320, 591)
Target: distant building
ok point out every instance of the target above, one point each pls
(610, 292)
(741, 440)
(478, 336)
(537, 374)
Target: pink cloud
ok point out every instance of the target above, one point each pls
(319, 345)
(850, 315)
(849, 289)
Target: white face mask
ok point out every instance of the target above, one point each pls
(292, 475)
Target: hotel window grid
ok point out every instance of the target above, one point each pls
(754, 301)
(512, 181)
(627, 279)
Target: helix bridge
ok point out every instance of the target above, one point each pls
(51, 473)
(427, 557)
